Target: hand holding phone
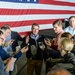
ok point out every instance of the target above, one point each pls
(12, 40)
(24, 49)
(46, 39)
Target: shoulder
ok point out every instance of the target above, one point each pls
(14, 32)
(67, 28)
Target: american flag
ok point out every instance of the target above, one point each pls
(21, 14)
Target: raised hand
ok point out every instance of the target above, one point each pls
(47, 42)
(10, 64)
(27, 40)
(24, 49)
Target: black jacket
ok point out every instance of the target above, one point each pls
(40, 54)
(16, 37)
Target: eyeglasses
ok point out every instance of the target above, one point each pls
(2, 38)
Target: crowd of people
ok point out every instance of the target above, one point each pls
(57, 54)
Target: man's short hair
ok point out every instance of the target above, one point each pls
(5, 27)
(71, 17)
(58, 71)
(1, 32)
(35, 24)
(58, 22)
(66, 34)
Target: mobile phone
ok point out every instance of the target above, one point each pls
(12, 40)
(47, 39)
(26, 47)
(40, 43)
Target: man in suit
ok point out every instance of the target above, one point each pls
(12, 38)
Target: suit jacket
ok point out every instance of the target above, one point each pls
(2, 68)
(16, 37)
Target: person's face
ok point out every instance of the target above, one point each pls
(35, 30)
(56, 28)
(7, 33)
(61, 49)
(2, 39)
(72, 22)
(62, 52)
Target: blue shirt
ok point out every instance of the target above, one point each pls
(2, 68)
(70, 30)
(35, 38)
(5, 56)
(8, 48)
(8, 38)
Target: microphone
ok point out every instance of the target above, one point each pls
(33, 50)
(41, 45)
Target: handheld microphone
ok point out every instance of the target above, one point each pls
(41, 45)
(33, 50)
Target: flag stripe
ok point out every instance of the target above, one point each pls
(6, 18)
(10, 5)
(72, 1)
(27, 23)
(54, 2)
(33, 11)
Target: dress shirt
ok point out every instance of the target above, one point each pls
(70, 30)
